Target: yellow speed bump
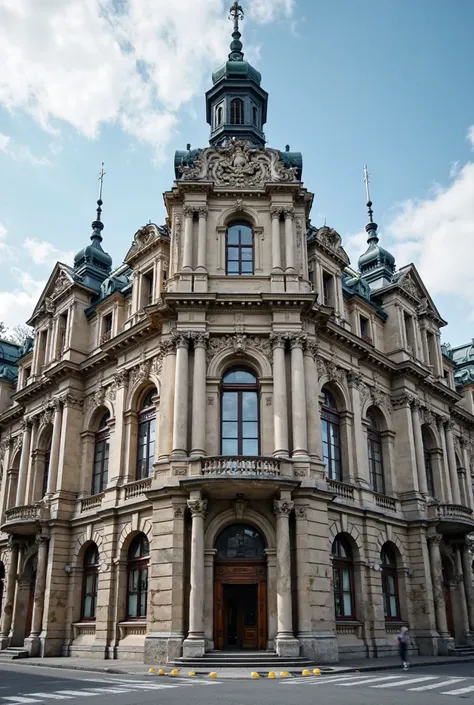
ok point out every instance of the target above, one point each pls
(191, 673)
(254, 674)
(162, 672)
(151, 671)
(305, 672)
(316, 672)
(174, 672)
(213, 674)
(272, 674)
(284, 674)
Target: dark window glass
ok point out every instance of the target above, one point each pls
(146, 436)
(47, 457)
(90, 583)
(237, 111)
(374, 449)
(239, 249)
(391, 602)
(239, 414)
(330, 431)
(101, 456)
(240, 541)
(255, 115)
(219, 116)
(429, 473)
(343, 579)
(137, 577)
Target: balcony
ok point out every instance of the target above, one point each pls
(341, 489)
(25, 520)
(254, 467)
(93, 503)
(452, 518)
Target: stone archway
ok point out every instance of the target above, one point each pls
(240, 588)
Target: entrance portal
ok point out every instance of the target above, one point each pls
(240, 592)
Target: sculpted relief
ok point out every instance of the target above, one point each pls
(238, 165)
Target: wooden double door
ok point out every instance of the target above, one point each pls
(240, 605)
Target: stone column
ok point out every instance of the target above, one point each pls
(462, 601)
(303, 593)
(437, 582)
(362, 474)
(198, 442)
(32, 642)
(180, 423)
(298, 398)
(280, 402)
(453, 471)
(24, 462)
(275, 213)
(313, 417)
(194, 645)
(467, 465)
(188, 237)
(468, 588)
(9, 597)
(202, 238)
(285, 642)
(418, 439)
(55, 445)
(289, 240)
(29, 497)
(446, 477)
(166, 417)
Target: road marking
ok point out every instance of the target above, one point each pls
(77, 693)
(443, 684)
(370, 680)
(460, 691)
(20, 700)
(146, 686)
(405, 682)
(112, 691)
(319, 679)
(54, 696)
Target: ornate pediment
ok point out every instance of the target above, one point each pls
(60, 281)
(143, 240)
(411, 283)
(331, 241)
(238, 165)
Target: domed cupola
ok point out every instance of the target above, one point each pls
(376, 265)
(91, 264)
(236, 105)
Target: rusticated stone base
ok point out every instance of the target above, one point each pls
(162, 648)
(194, 648)
(287, 647)
(320, 648)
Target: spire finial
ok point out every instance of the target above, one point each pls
(235, 14)
(98, 225)
(371, 227)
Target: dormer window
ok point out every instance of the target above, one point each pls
(328, 289)
(147, 288)
(219, 115)
(365, 329)
(106, 328)
(237, 111)
(239, 249)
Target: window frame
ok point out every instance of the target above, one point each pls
(101, 441)
(341, 565)
(389, 569)
(90, 569)
(239, 389)
(237, 111)
(430, 486)
(374, 439)
(47, 460)
(146, 417)
(240, 246)
(140, 564)
(331, 417)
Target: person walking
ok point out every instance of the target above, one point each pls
(403, 641)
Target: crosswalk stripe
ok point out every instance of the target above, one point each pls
(112, 691)
(368, 680)
(318, 679)
(443, 684)
(405, 682)
(77, 693)
(54, 696)
(17, 699)
(460, 691)
(135, 685)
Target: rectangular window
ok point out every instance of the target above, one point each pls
(375, 464)
(62, 330)
(331, 449)
(328, 299)
(42, 344)
(26, 375)
(106, 328)
(365, 329)
(239, 250)
(147, 288)
(410, 332)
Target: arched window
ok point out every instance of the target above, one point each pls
(391, 603)
(428, 462)
(137, 577)
(255, 115)
(239, 414)
(47, 457)
(374, 449)
(219, 116)
(90, 582)
(237, 111)
(240, 541)
(101, 456)
(343, 579)
(331, 436)
(239, 249)
(146, 436)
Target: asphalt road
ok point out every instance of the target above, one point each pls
(30, 685)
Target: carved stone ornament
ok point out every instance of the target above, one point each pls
(239, 343)
(141, 373)
(283, 507)
(238, 165)
(17, 443)
(47, 307)
(197, 507)
(301, 511)
(410, 287)
(62, 283)
(240, 506)
(331, 368)
(179, 510)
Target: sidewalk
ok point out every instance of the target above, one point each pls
(139, 669)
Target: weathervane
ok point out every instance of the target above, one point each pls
(97, 224)
(101, 180)
(236, 13)
(367, 193)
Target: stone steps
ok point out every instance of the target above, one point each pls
(462, 651)
(253, 660)
(12, 653)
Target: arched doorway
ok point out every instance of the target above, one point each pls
(240, 589)
(447, 570)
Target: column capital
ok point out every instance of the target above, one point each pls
(278, 340)
(311, 347)
(181, 340)
(282, 507)
(301, 511)
(189, 211)
(289, 212)
(297, 340)
(434, 539)
(275, 212)
(197, 507)
(200, 340)
(202, 211)
(41, 540)
(354, 378)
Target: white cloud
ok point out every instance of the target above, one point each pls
(436, 233)
(20, 152)
(133, 63)
(45, 253)
(16, 306)
(6, 252)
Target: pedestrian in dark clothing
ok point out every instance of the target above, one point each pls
(403, 641)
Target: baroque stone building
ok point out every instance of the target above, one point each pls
(234, 440)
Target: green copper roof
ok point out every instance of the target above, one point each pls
(239, 69)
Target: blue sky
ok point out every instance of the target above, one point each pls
(122, 81)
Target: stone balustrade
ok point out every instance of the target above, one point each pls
(384, 502)
(28, 512)
(90, 503)
(341, 489)
(137, 489)
(242, 466)
(454, 511)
